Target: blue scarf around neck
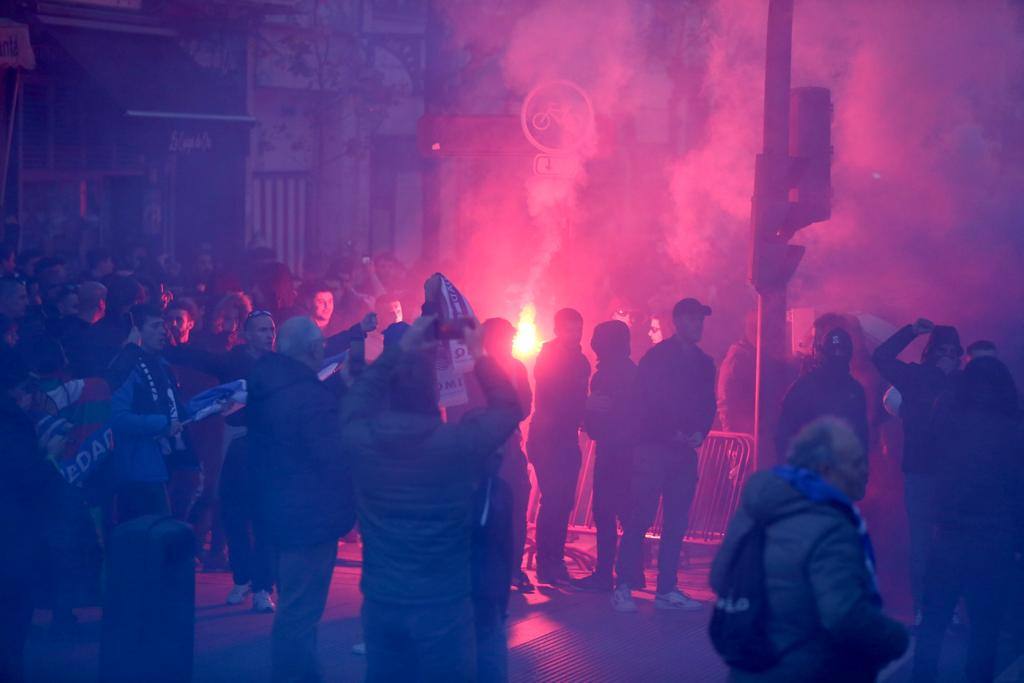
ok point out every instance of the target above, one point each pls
(810, 484)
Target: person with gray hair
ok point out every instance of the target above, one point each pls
(822, 617)
(302, 486)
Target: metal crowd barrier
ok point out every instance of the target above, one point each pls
(725, 461)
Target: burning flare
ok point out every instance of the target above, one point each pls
(527, 342)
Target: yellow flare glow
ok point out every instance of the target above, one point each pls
(527, 342)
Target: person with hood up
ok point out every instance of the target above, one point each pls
(824, 613)
(416, 481)
(920, 386)
(827, 389)
(979, 475)
(562, 373)
(302, 483)
(607, 422)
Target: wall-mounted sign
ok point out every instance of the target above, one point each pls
(557, 117)
(15, 47)
(116, 4)
(187, 142)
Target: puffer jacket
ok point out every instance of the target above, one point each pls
(302, 474)
(825, 616)
(416, 482)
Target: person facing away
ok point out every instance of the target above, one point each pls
(672, 409)
(561, 374)
(607, 422)
(416, 481)
(147, 415)
(498, 338)
(979, 475)
(302, 485)
(827, 389)
(920, 385)
(824, 613)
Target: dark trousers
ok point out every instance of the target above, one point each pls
(303, 581)
(515, 473)
(248, 549)
(557, 464)
(919, 499)
(135, 499)
(491, 641)
(611, 502)
(976, 566)
(419, 643)
(669, 473)
(15, 621)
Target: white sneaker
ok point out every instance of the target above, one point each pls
(262, 603)
(359, 649)
(677, 601)
(239, 593)
(622, 599)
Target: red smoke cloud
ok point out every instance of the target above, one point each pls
(927, 170)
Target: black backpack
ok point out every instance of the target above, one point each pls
(739, 622)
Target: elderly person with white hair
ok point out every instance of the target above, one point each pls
(304, 487)
(822, 617)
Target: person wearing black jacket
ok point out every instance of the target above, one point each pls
(498, 338)
(827, 389)
(607, 423)
(673, 409)
(920, 385)
(417, 481)
(248, 549)
(979, 475)
(303, 487)
(562, 374)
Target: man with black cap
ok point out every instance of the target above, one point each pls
(827, 389)
(920, 385)
(674, 406)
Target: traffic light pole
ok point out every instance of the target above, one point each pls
(772, 259)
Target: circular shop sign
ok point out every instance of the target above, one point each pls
(557, 116)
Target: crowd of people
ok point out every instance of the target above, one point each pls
(439, 495)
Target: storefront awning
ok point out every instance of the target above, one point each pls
(151, 76)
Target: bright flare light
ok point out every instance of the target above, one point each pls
(527, 342)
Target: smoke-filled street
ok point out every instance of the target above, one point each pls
(478, 340)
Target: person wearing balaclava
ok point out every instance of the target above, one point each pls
(920, 385)
(827, 388)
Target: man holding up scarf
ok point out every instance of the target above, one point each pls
(147, 414)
